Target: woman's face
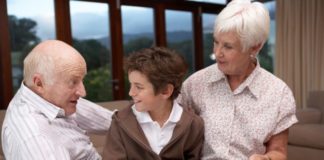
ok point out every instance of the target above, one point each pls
(231, 59)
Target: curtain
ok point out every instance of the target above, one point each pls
(299, 58)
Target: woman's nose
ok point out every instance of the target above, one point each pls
(218, 51)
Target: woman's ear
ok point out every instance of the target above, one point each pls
(255, 49)
(167, 91)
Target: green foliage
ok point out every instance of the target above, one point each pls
(137, 44)
(98, 84)
(22, 38)
(185, 48)
(95, 54)
(208, 49)
(266, 61)
(98, 80)
(22, 33)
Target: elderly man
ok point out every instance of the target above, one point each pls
(47, 118)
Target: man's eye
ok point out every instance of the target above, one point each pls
(73, 82)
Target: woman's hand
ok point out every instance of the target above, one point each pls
(259, 157)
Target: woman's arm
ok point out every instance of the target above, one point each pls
(276, 148)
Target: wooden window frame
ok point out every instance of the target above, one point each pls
(63, 32)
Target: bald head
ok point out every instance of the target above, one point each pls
(49, 58)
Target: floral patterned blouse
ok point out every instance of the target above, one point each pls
(238, 123)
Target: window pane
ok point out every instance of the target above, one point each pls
(180, 35)
(208, 28)
(28, 24)
(211, 1)
(138, 31)
(267, 53)
(90, 26)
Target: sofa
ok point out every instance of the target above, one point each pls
(97, 140)
(306, 138)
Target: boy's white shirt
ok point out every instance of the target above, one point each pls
(158, 136)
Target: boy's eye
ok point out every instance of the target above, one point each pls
(138, 87)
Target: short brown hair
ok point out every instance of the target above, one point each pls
(161, 66)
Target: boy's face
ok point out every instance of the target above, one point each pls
(142, 92)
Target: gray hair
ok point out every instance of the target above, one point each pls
(250, 20)
(38, 63)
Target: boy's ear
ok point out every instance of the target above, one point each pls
(167, 91)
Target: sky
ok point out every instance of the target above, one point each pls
(90, 20)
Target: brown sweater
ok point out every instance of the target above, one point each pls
(126, 139)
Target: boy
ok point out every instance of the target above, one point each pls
(155, 126)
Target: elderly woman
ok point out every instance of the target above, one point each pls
(247, 110)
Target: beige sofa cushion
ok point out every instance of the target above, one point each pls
(308, 115)
(307, 135)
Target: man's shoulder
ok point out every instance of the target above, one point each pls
(21, 120)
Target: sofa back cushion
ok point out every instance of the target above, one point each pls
(316, 100)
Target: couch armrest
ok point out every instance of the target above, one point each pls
(308, 115)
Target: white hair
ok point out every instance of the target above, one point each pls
(250, 20)
(39, 63)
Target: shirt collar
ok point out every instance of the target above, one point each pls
(216, 76)
(48, 109)
(250, 81)
(144, 117)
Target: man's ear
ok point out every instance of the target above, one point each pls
(38, 83)
(167, 91)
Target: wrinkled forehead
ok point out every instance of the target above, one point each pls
(73, 65)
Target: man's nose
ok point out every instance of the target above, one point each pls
(81, 90)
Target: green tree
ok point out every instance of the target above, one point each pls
(22, 33)
(137, 44)
(22, 38)
(185, 48)
(98, 79)
(98, 84)
(208, 49)
(266, 61)
(95, 54)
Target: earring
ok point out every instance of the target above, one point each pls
(251, 56)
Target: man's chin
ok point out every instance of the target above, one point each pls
(70, 110)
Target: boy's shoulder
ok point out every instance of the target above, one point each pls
(189, 113)
(124, 113)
